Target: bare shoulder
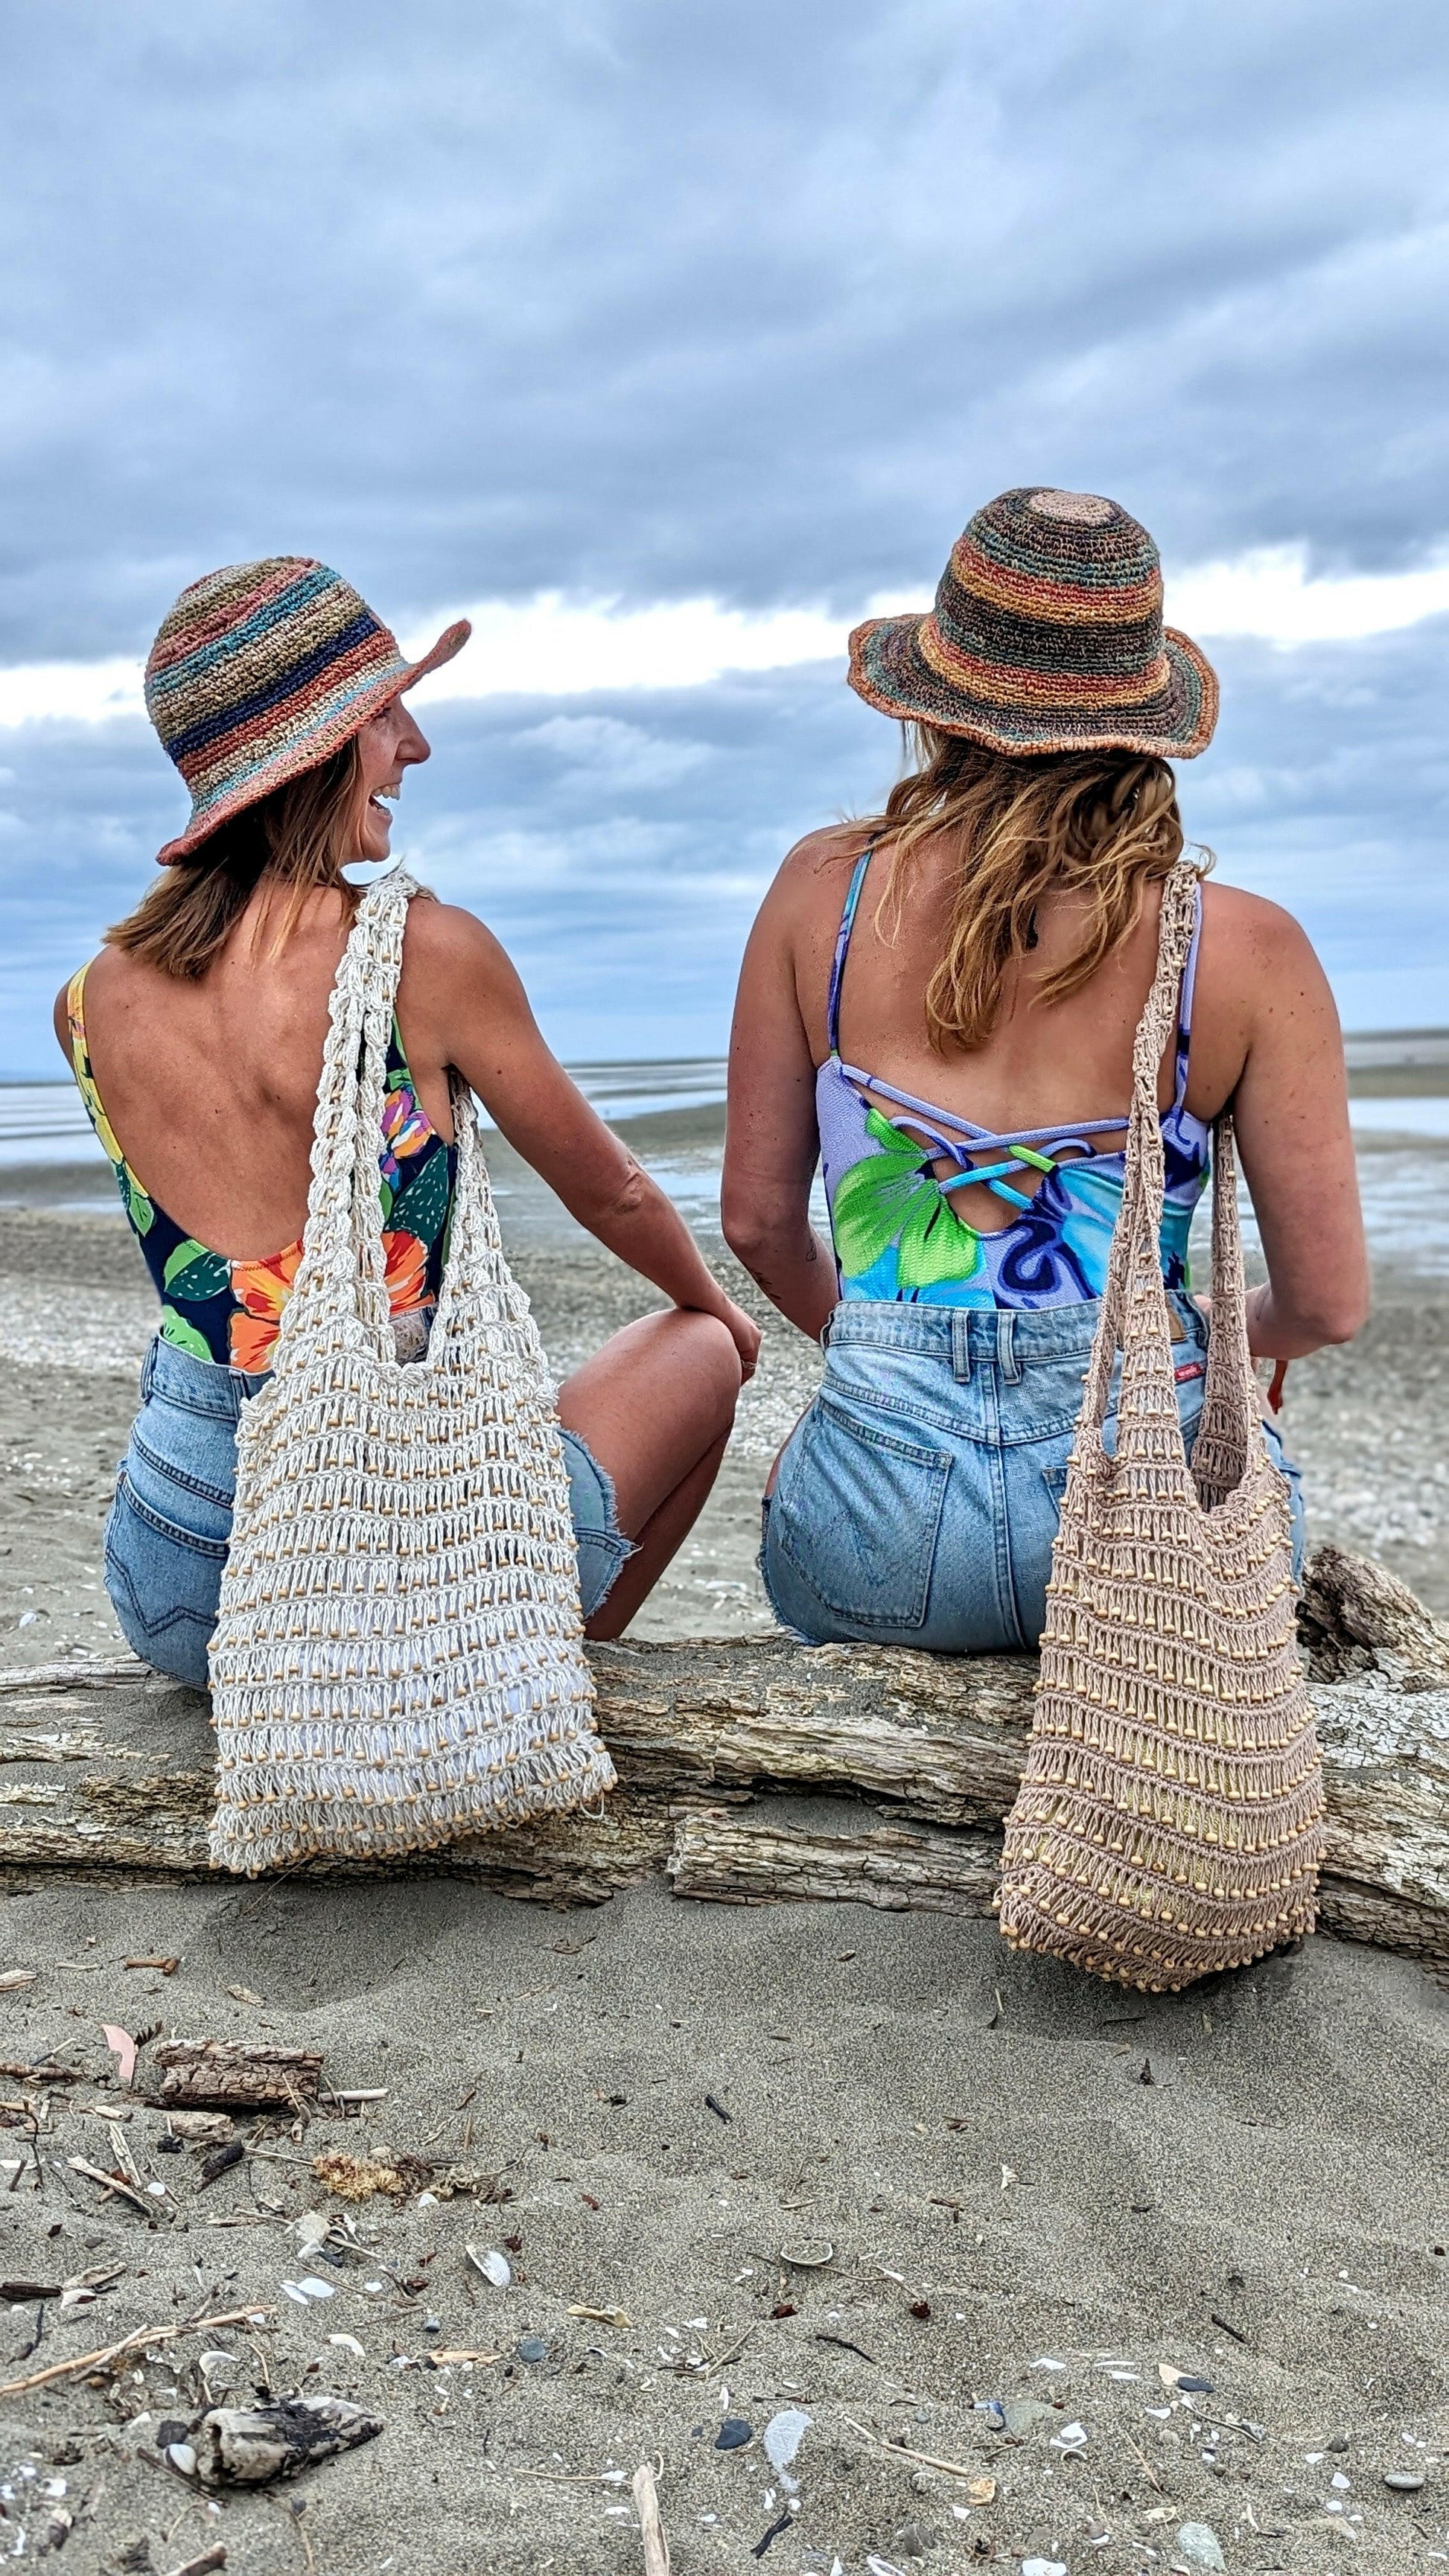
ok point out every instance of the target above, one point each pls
(103, 971)
(1250, 930)
(444, 940)
(1258, 975)
(815, 871)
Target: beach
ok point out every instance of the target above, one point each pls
(966, 2212)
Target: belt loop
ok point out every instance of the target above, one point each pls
(825, 1330)
(1006, 1359)
(961, 1344)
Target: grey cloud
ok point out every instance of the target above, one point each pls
(620, 845)
(624, 297)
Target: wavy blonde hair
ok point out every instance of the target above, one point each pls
(1100, 824)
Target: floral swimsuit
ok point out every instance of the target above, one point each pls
(228, 1312)
(898, 1237)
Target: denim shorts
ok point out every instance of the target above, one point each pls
(169, 1525)
(918, 1499)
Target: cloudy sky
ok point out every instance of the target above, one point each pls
(665, 340)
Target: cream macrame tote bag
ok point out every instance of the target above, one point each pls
(1168, 1820)
(399, 1655)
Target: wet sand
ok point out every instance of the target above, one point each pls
(1012, 2166)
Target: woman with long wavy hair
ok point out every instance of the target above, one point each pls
(197, 1039)
(938, 1007)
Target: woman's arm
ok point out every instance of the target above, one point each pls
(772, 1143)
(478, 1014)
(1290, 1116)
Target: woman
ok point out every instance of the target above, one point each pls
(196, 1038)
(939, 1005)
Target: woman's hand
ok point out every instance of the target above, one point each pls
(745, 1333)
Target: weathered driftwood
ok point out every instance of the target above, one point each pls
(215, 2075)
(910, 1762)
(249, 2446)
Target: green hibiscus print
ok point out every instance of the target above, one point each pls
(889, 1198)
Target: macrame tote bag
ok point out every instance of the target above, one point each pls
(1168, 1820)
(399, 1654)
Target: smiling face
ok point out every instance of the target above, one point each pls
(389, 743)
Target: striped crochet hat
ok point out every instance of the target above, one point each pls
(1046, 635)
(262, 670)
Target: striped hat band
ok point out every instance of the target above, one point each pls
(261, 671)
(1046, 635)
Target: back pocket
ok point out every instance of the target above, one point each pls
(164, 1583)
(858, 1514)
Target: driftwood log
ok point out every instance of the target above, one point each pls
(212, 2074)
(757, 1769)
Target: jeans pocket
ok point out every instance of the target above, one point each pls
(164, 1582)
(183, 1468)
(857, 1514)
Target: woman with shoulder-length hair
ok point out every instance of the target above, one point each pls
(938, 1006)
(197, 1040)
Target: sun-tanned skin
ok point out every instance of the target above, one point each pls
(211, 1088)
(1265, 1036)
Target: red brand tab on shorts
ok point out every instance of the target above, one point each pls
(1190, 1368)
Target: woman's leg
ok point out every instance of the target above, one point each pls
(655, 1406)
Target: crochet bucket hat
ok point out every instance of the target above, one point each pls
(262, 670)
(1046, 635)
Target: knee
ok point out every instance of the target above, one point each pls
(716, 1363)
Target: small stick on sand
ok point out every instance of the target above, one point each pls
(726, 2358)
(114, 2183)
(656, 2547)
(1148, 2470)
(80, 2363)
(923, 2459)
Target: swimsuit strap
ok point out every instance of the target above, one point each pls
(842, 948)
(978, 1138)
(1184, 1008)
(75, 1013)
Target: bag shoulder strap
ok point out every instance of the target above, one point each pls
(1134, 1303)
(341, 1271)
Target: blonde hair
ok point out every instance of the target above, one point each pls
(1100, 824)
(296, 839)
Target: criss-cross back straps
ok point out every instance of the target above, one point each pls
(943, 1133)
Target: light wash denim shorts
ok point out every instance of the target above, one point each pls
(918, 1499)
(170, 1522)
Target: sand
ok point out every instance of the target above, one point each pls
(970, 2133)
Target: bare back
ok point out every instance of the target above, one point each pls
(211, 1083)
(1264, 1036)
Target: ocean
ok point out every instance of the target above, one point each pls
(49, 1155)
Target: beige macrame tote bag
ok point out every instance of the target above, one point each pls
(1168, 1820)
(399, 1655)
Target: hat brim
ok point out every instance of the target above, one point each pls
(332, 731)
(890, 671)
